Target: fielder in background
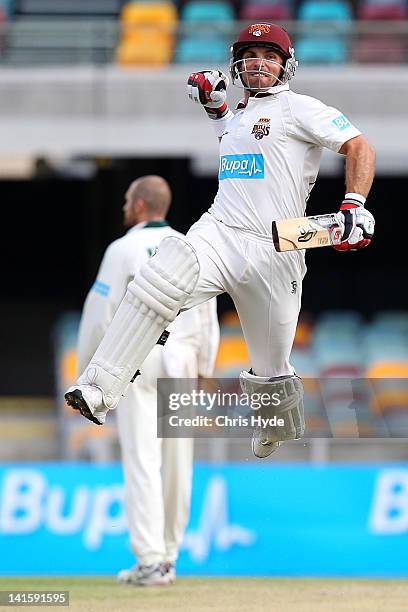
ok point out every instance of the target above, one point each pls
(157, 503)
(270, 151)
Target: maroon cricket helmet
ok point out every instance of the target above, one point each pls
(263, 34)
(260, 35)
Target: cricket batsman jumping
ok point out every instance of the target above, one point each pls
(270, 151)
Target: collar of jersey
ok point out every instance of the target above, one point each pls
(270, 92)
(162, 223)
(147, 224)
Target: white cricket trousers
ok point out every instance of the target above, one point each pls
(157, 472)
(265, 286)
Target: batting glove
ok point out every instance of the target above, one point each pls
(209, 88)
(357, 225)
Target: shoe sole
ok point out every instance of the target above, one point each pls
(271, 448)
(77, 402)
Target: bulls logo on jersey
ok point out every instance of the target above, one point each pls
(261, 128)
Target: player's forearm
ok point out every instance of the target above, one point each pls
(360, 165)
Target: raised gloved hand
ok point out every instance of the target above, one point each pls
(209, 88)
(357, 225)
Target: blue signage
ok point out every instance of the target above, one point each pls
(246, 520)
(245, 166)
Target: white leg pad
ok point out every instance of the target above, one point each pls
(152, 301)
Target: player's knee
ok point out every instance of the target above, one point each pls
(167, 279)
(177, 261)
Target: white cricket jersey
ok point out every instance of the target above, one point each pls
(123, 258)
(270, 156)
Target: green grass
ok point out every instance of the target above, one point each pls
(224, 595)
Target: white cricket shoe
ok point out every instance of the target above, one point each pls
(170, 569)
(261, 446)
(88, 399)
(145, 575)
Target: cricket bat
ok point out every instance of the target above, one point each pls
(306, 232)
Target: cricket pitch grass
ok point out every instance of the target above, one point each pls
(88, 594)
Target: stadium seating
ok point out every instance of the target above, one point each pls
(386, 347)
(3, 20)
(232, 355)
(381, 46)
(347, 319)
(382, 10)
(395, 320)
(60, 41)
(273, 10)
(147, 33)
(355, 373)
(386, 359)
(6, 8)
(67, 7)
(46, 32)
(328, 21)
(337, 343)
(339, 362)
(206, 29)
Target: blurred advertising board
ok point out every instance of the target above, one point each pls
(272, 520)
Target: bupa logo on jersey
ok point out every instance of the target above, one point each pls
(341, 122)
(246, 166)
